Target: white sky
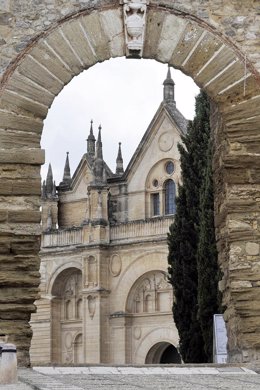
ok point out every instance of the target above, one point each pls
(122, 95)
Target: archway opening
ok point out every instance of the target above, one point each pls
(41, 70)
(66, 317)
(163, 353)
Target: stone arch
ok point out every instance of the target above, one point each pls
(163, 353)
(137, 269)
(149, 291)
(66, 295)
(149, 308)
(203, 51)
(163, 335)
(78, 351)
(72, 264)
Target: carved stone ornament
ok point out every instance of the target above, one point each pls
(91, 306)
(115, 265)
(134, 21)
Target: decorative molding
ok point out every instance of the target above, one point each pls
(91, 305)
(137, 332)
(166, 141)
(115, 265)
(134, 25)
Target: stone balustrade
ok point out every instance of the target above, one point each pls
(123, 232)
(136, 230)
(62, 237)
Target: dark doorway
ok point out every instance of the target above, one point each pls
(170, 355)
(163, 353)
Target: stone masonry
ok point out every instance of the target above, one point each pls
(44, 44)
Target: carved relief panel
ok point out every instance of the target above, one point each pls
(72, 297)
(71, 313)
(134, 21)
(151, 293)
(91, 272)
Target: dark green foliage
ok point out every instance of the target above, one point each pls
(184, 241)
(208, 273)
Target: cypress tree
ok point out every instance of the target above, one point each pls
(183, 239)
(208, 272)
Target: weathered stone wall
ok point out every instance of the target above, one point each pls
(22, 21)
(46, 43)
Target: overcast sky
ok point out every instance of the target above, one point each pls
(121, 95)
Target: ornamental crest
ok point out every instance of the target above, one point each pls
(134, 22)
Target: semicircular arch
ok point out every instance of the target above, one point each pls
(76, 265)
(156, 261)
(164, 334)
(53, 57)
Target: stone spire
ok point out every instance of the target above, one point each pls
(91, 141)
(119, 161)
(66, 175)
(98, 163)
(99, 150)
(49, 182)
(168, 88)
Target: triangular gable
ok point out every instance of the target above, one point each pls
(83, 176)
(174, 115)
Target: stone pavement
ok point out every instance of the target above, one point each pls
(136, 378)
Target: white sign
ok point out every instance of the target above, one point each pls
(219, 339)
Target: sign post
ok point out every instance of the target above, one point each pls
(219, 339)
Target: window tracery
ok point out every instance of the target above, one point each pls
(151, 294)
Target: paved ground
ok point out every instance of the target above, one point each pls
(136, 378)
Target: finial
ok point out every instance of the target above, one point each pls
(168, 88)
(91, 141)
(119, 161)
(98, 163)
(99, 133)
(49, 181)
(99, 151)
(66, 175)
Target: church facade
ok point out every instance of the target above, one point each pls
(104, 295)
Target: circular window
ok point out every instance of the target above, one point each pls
(155, 183)
(169, 167)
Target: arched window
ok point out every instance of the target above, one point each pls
(69, 310)
(169, 197)
(79, 309)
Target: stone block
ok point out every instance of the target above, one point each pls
(20, 156)
(24, 216)
(19, 139)
(223, 58)
(190, 37)
(39, 74)
(112, 24)
(97, 38)
(154, 24)
(9, 120)
(3, 215)
(77, 37)
(46, 56)
(27, 104)
(207, 47)
(227, 78)
(60, 45)
(12, 279)
(23, 86)
(252, 248)
(25, 245)
(172, 30)
(240, 285)
(32, 187)
(20, 263)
